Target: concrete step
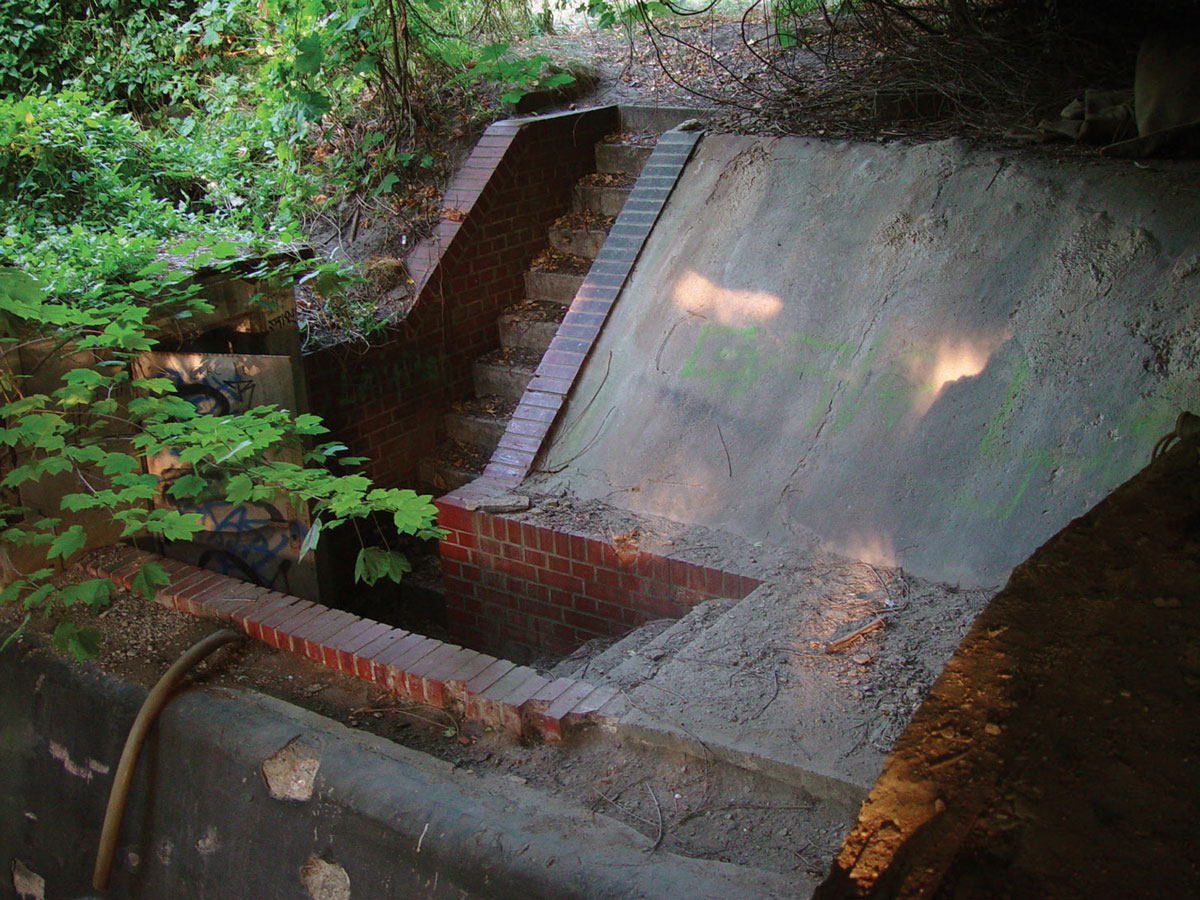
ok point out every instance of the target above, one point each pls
(505, 372)
(623, 156)
(650, 655)
(581, 234)
(479, 422)
(598, 657)
(602, 193)
(531, 324)
(451, 466)
(555, 285)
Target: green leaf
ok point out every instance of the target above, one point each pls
(67, 543)
(385, 186)
(21, 287)
(186, 486)
(374, 563)
(16, 634)
(149, 578)
(83, 643)
(237, 448)
(310, 538)
(239, 488)
(177, 526)
(308, 60)
(95, 592)
(38, 597)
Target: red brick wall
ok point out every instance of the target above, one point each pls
(523, 590)
(387, 403)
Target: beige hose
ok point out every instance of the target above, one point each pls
(151, 707)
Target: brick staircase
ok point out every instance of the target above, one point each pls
(475, 426)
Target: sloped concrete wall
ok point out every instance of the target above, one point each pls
(926, 356)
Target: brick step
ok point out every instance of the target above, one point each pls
(663, 646)
(531, 324)
(621, 156)
(473, 685)
(599, 656)
(602, 194)
(479, 422)
(555, 286)
(451, 466)
(580, 234)
(505, 372)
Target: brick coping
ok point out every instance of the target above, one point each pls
(474, 685)
(531, 422)
(465, 188)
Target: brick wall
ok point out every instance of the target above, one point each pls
(387, 404)
(473, 685)
(523, 590)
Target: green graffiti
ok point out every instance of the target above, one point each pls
(858, 386)
(732, 360)
(726, 358)
(995, 426)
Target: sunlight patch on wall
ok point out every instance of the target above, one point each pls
(873, 549)
(954, 359)
(696, 294)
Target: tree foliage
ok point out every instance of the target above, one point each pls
(134, 132)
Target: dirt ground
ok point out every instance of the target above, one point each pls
(1056, 756)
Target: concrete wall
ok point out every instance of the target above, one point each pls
(927, 356)
(240, 796)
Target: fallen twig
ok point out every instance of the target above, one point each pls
(844, 642)
(658, 810)
(452, 723)
(769, 701)
(628, 812)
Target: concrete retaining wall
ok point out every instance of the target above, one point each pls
(926, 355)
(241, 796)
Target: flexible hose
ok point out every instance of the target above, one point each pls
(151, 707)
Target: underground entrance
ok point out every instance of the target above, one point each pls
(821, 470)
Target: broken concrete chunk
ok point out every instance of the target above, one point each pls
(499, 504)
(291, 772)
(325, 880)
(27, 885)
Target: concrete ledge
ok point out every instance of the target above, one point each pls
(207, 818)
(638, 725)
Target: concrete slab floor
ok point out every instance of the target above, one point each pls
(755, 684)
